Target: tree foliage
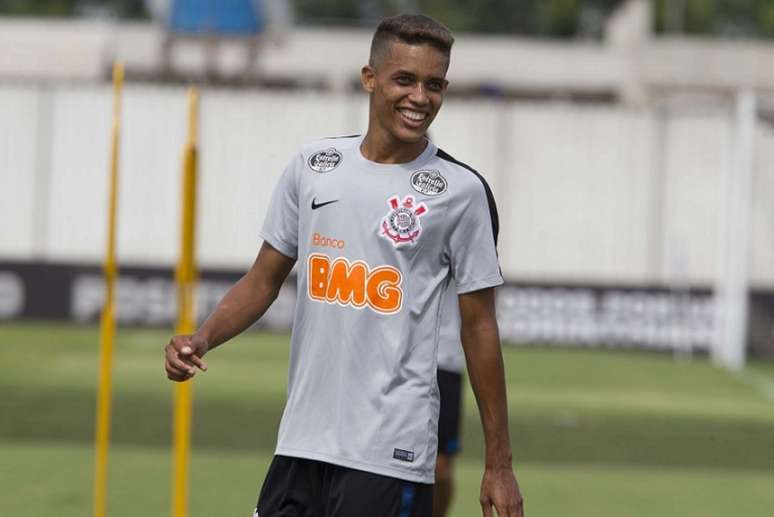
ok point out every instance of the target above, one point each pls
(722, 17)
(548, 18)
(552, 18)
(119, 8)
(529, 17)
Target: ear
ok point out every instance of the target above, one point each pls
(368, 78)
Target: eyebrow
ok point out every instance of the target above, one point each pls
(412, 74)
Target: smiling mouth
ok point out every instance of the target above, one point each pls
(415, 118)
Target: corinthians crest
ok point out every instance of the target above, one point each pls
(401, 225)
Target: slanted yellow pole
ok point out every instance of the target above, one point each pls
(186, 276)
(107, 322)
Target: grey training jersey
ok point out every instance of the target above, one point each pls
(376, 246)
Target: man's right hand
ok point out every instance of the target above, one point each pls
(183, 355)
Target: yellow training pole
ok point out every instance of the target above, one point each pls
(186, 276)
(107, 322)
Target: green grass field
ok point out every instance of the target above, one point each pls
(595, 433)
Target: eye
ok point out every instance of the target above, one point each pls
(403, 80)
(435, 86)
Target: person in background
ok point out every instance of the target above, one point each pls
(451, 365)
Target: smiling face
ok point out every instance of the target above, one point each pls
(406, 85)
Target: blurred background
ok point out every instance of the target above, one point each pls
(629, 145)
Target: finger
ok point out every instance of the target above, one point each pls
(195, 359)
(189, 357)
(179, 342)
(516, 508)
(174, 365)
(176, 374)
(174, 360)
(486, 508)
(182, 366)
(186, 355)
(510, 510)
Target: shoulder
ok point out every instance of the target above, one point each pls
(467, 185)
(323, 154)
(327, 144)
(466, 180)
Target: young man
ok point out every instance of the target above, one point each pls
(378, 225)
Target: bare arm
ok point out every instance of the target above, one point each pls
(242, 306)
(481, 342)
(249, 298)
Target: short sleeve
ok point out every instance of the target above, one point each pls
(280, 227)
(473, 244)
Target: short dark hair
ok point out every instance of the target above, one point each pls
(414, 29)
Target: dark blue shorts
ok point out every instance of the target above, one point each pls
(449, 419)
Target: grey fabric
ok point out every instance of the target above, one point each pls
(373, 271)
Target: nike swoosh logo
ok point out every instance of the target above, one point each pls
(315, 206)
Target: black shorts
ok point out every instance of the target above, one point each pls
(297, 487)
(450, 386)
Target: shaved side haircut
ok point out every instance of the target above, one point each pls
(414, 29)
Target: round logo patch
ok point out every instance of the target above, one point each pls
(325, 161)
(403, 221)
(429, 182)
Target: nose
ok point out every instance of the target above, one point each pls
(418, 95)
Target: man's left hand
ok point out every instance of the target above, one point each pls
(499, 489)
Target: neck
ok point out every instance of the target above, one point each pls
(381, 147)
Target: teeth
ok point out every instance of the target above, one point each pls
(414, 115)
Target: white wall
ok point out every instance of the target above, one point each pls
(579, 191)
(77, 200)
(586, 194)
(696, 150)
(762, 219)
(18, 167)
